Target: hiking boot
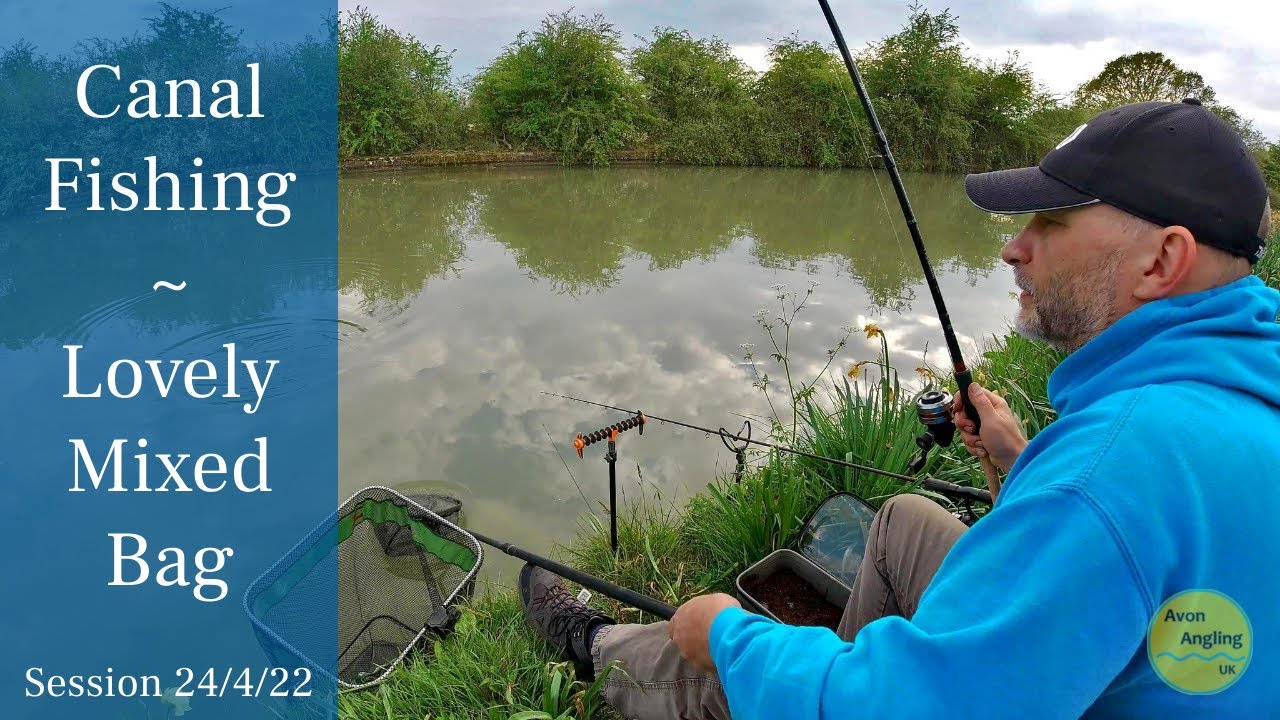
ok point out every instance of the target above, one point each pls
(559, 618)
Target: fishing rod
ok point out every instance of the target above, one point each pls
(604, 587)
(953, 490)
(935, 407)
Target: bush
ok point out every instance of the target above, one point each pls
(924, 87)
(1007, 114)
(807, 112)
(394, 93)
(568, 88)
(32, 110)
(699, 94)
(1269, 159)
(564, 88)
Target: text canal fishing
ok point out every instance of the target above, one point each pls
(189, 192)
(106, 468)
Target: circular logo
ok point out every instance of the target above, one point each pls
(1200, 642)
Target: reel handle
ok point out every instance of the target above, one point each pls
(963, 380)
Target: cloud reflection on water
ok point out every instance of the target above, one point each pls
(479, 288)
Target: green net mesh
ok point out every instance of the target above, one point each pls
(398, 564)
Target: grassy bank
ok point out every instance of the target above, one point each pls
(450, 158)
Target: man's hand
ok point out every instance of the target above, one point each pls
(690, 628)
(1001, 436)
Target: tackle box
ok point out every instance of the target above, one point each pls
(826, 557)
(822, 583)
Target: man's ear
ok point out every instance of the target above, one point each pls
(1166, 259)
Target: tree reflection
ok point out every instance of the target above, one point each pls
(398, 231)
(575, 227)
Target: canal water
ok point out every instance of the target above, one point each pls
(465, 294)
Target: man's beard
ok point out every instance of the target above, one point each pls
(1070, 310)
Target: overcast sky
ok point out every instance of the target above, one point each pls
(1065, 42)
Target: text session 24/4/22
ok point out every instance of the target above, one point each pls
(187, 682)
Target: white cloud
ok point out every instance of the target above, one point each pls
(1229, 42)
(1059, 66)
(755, 55)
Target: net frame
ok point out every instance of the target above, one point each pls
(327, 531)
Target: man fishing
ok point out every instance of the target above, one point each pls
(1125, 569)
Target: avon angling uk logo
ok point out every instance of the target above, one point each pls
(1200, 642)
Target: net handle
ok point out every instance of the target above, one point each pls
(604, 587)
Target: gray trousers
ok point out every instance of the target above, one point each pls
(907, 541)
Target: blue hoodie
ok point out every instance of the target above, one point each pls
(1159, 476)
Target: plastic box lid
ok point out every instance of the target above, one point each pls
(835, 536)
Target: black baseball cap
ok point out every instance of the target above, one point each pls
(1170, 163)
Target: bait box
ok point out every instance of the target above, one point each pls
(824, 586)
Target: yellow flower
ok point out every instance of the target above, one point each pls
(926, 373)
(872, 330)
(856, 370)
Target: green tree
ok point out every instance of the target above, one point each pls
(1142, 77)
(699, 93)
(1269, 160)
(1005, 110)
(807, 109)
(1150, 76)
(686, 76)
(1253, 139)
(33, 112)
(394, 93)
(565, 88)
(925, 86)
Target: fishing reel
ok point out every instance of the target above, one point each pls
(934, 408)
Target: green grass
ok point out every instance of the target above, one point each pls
(871, 424)
(492, 667)
(657, 555)
(736, 524)
(492, 663)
